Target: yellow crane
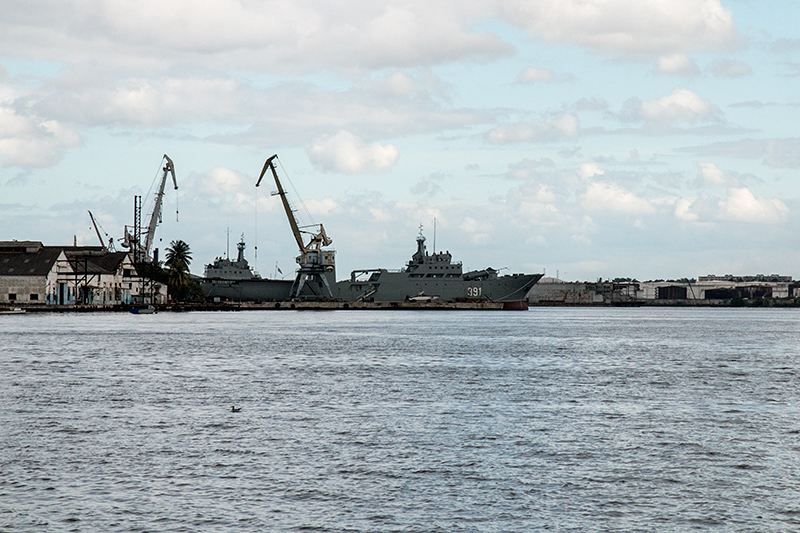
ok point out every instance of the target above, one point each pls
(316, 264)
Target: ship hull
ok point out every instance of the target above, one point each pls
(400, 287)
(246, 290)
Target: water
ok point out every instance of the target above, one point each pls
(553, 419)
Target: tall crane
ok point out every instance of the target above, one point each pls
(316, 264)
(137, 240)
(155, 216)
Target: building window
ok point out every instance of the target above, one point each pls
(12, 296)
(34, 297)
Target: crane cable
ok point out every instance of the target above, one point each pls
(297, 195)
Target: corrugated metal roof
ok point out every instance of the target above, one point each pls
(28, 264)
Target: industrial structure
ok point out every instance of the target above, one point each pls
(706, 290)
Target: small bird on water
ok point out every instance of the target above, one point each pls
(235, 409)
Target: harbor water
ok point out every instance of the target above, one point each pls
(559, 419)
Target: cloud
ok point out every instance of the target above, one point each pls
(587, 170)
(683, 211)
(221, 181)
(305, 35)
(543, 75)
(676, 65)
(777, 153)
(710, 175)
(731, 69)
(561, 128)
(531, 74)
(32, 142)
(428, 186)
(271, 36)
(591, 104)
(477, 232)
(325, 206)
(682, 105)
(527, 168)
(628, 26)
(612, 198)
(285, 112)
(346, 153)
(741, 206)
(397, 84)
(147, 102)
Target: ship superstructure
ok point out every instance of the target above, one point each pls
(227, 269)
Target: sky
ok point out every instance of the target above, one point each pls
(650, 139)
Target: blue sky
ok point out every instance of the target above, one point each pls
(594, 138)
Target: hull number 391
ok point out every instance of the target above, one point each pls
(473, 292)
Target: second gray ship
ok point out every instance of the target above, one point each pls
(235, 281)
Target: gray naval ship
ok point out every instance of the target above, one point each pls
(226, 280)
(425, 278)
(434, 277)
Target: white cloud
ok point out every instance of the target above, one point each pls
(742, 206)
(478, 232)
(612, 198)
(711, 175)
(531, 74)
(221, 181)
(141, 101)
(676, 65)
(322, 207)
(290, 112)
(682, 105)
(397, 84)
(275, 35)
(545, 194)
(683, 210)
(344, 152)
(655, 27)
(561, 128)
(30, 141)
(587, 170)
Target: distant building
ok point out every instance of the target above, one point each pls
(31, 273)
(721, 288)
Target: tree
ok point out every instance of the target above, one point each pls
(181, 285)
(178, 257)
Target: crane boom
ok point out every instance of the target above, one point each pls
(286, 207)
(97, 230)
(155, 216)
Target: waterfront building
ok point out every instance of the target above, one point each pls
(33, 274)
(91, 276)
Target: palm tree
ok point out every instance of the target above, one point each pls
(178, 258)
